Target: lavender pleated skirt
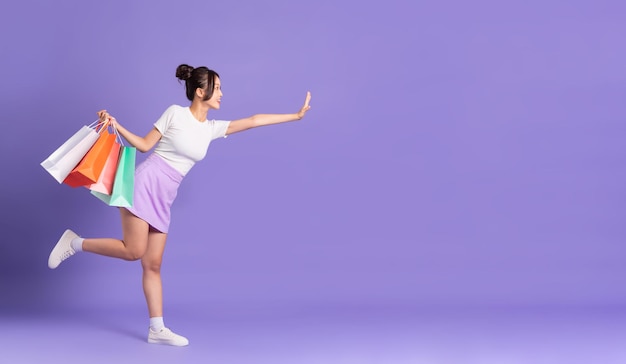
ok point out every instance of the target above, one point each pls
(156, 186)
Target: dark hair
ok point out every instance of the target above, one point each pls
(195, 78)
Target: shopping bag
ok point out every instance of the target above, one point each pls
(61, 162)
(124, 183)
(90, 167)
(107, 177)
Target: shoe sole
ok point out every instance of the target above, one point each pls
(68, 234)
(159, 342)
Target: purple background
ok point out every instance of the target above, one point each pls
(456, 153)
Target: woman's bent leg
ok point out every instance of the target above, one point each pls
(134, 243)
(132, 247)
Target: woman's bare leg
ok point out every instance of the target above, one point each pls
(134, 243)
(151, 264)
(153, 290)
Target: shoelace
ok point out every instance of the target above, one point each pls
(67, 254)
(167, 334)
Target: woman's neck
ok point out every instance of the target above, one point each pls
(199, 111)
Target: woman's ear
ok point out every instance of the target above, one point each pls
(200, 93)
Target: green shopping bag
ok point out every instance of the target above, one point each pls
(124, 183)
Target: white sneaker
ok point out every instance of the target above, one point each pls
(166, 337)
(62, 250)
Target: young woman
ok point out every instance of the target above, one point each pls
(183, 135)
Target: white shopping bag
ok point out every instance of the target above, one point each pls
(61, 162)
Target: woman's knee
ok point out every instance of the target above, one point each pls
(135, 232)
(135, 252)
(151, 265)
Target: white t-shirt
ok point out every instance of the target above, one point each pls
(184, 139)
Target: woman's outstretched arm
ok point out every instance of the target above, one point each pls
(267, 119)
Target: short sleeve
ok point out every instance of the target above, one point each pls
(165, 120)
(219, 128)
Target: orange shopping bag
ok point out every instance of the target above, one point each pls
(90, 167)
(105, 182)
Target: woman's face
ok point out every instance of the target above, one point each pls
(216, 98)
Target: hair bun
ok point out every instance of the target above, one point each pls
(183, 72)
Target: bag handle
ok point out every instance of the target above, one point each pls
(117, 135)
(100, 125)
(94, 124)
